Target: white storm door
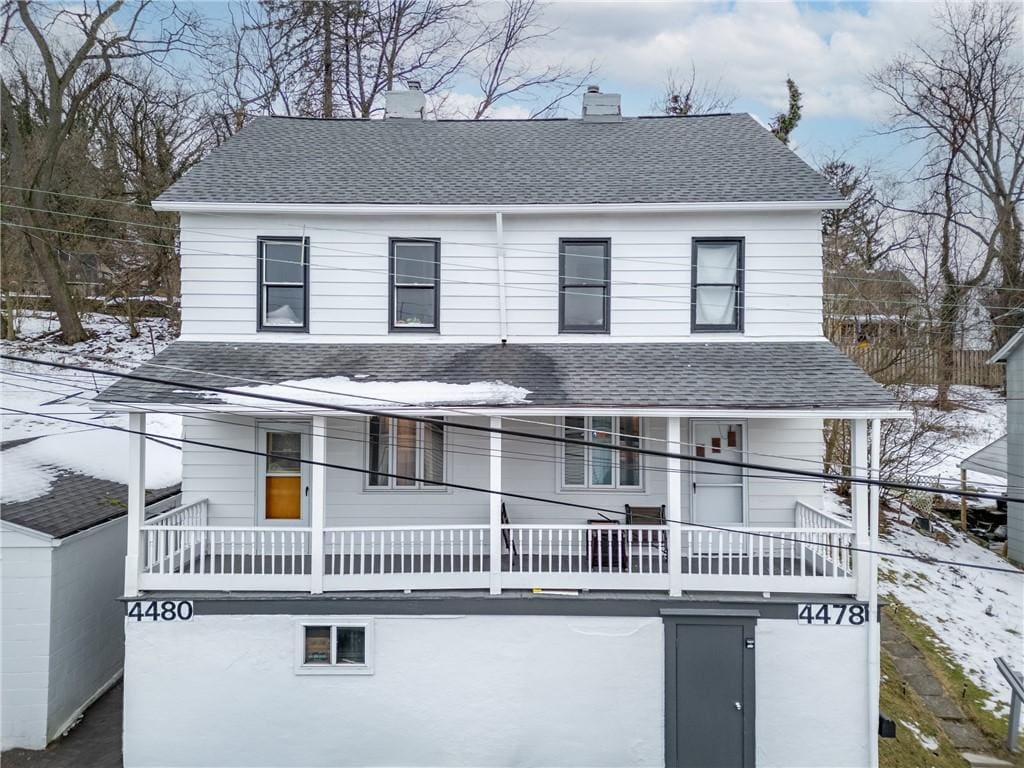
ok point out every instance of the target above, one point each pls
(718, 492)
(283, 478)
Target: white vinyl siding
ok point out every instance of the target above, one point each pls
(528, 466)
(650, 274)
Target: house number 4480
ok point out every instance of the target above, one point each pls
(161, 610)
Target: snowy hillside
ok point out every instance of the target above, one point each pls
(29, 468)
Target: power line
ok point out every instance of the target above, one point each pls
(531, 286)
(526, 497)
(530, 436)
(647, 439)
(452, 242)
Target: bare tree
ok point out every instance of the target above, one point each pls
(77, 49)
(964, 102)
(330, 58)
(689, 95)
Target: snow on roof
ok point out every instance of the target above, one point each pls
(29, 470)
(343, 391)
(1003, 354)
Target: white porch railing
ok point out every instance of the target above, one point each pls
(585, 556)
(406, 557)
(179, 550)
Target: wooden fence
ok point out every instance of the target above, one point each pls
(921, 366)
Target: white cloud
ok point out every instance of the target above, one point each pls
(752, 47)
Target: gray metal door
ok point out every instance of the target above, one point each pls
(709, 690)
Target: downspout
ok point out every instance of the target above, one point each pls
(874, 626)
(499, 248)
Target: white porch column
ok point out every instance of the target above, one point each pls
(874, 627)
(494, 487)
(859, 504)
(318, 503)
(136, 499)
(674, 508)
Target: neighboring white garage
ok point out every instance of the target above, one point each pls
(61, 572)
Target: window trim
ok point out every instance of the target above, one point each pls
(261, 284)
(420, 485)
(393, 287)
(301, 668)
(739, 286)
(563, 327)
(616, 487)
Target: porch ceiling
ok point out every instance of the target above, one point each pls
(694, 377)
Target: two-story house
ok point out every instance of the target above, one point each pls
(501, 442)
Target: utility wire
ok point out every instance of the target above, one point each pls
(526, 435)
(525, 497)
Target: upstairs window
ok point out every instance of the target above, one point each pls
(412, 449)
(583, 282)
(596, 466)
(415, 278)
(283, 283)
(717, 285)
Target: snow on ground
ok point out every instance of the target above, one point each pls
(928, 742)
(27, 470)
(978, 615)
(343, 391)
(978, 419)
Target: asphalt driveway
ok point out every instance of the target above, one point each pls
(94, 743)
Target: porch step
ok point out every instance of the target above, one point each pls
(984, 761)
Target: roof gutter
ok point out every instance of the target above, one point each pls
(363, 209)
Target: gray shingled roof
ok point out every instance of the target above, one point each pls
(700, 159)
(75, 503)
(686, 375)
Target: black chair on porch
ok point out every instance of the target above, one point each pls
(647, 542)
(507, 537)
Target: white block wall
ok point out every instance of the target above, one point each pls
(470, 691)
(25, 639)
(228, 479)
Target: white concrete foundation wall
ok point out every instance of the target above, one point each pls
(468, 691)
(86, 632)
(25, 639)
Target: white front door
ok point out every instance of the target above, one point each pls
(283, 478)
(718, 493)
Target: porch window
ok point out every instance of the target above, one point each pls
(414, 450)
(598, 467)
(283, 283)
(717, 285)
(584, 278)
(324, 647)
(415, 268)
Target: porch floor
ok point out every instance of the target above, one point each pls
(348, 565)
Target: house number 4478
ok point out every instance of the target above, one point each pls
(161, 610)
(834, 614)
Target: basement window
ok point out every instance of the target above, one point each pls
(339, 648)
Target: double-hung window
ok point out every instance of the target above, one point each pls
(717, 285)
(595, 466)
(415, 269)
(283, 284)
(583, 286)
(404, 454)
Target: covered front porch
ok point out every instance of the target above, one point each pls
(494, 504)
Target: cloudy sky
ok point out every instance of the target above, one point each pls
(751, 47)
